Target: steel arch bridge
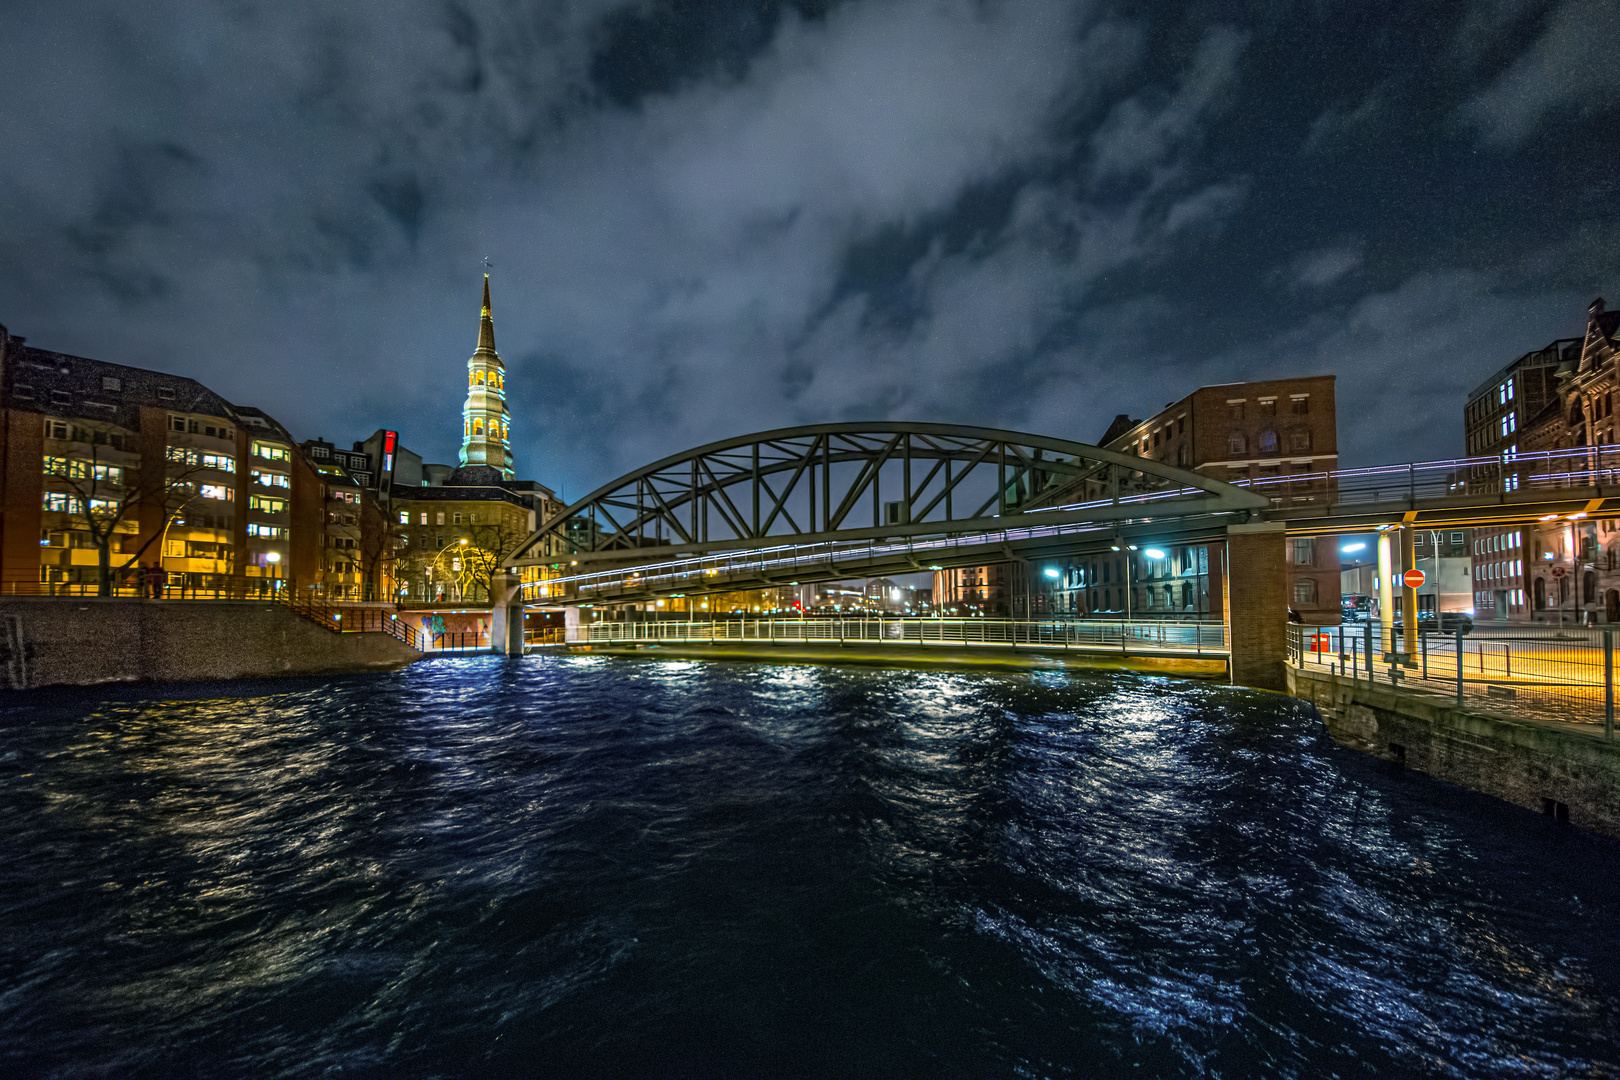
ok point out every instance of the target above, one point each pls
(837, 483)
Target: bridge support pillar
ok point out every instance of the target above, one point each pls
(1257, 604)
(505, 615)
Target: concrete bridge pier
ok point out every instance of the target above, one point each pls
(505, 614)
(1257, 604)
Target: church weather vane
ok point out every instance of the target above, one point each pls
(488, 266)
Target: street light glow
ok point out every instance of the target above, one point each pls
(1051, 572)
(1153, 553)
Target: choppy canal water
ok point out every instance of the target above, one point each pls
(615, 867)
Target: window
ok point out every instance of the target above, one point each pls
(270, 531)
(222, 462)
(1299, 440)
(1236, 444)
(1234, 409)
(456, 519)
(61, 501)
(1268, 442)
(177, 423)
(404, 517)
(184, 455)
(270, 479)
(1304, 592)
(110, 383)
(61, 397)
(1305, 551)
(441, 517)
(61, 466)
(166, 393)
(1268, 406)
(422, 519)
(1300, 404)
(271, 453)
(218, 491)
(266, 504)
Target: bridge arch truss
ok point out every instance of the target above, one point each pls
(862, 481)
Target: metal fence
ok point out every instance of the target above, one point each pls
(1564, 675)
(1195, 639)
(455, 642)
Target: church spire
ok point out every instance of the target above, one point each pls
(486, 423)
(486, 325)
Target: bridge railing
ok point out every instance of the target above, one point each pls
(1547, 472)
(1498, 476)
(1172, 638)
(1551, 673)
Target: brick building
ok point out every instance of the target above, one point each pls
(1559, 398)
(1280, 436)
(110, 470)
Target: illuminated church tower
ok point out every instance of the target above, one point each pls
(486, 425)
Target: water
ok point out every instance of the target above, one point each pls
(585, 866)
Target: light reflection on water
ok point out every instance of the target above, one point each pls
(600, 866)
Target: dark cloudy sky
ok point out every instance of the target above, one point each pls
(712, 218)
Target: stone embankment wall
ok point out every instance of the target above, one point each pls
(47, 641)
(1567, 770)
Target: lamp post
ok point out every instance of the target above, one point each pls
(455, 567)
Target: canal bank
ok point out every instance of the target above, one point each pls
(857, 653)
(85, 641)
(1567, 771)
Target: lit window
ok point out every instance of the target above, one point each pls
(404, 517)
(218, 491)
(222, 462)
(57, 500)
(270, 453)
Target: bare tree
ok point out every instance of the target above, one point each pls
(490, 544)
(104, 489)
(383, 542)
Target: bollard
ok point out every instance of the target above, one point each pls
(1367, 653)
(1608, 685)
(1459, 666)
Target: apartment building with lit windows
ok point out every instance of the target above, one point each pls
(348, 508)
(1560, 398)
(111, 469)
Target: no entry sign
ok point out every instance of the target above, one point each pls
(1413, 579)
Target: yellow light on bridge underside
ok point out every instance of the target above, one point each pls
(1547, 517)
(1577, 517)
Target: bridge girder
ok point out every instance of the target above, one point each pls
(807, 485)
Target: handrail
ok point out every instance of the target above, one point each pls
(1086, 635)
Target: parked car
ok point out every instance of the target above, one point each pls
(1447, 622)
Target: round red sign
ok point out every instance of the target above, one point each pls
(1414, 579)
(1559, 571)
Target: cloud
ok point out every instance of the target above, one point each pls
(1325, 266)
(1146, 130)
(1407, 357)
(1567, 66)
(1335, 128)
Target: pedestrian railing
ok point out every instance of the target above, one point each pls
(457, 642)
(1081, 635)
(1553, 674)
(348, 619)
